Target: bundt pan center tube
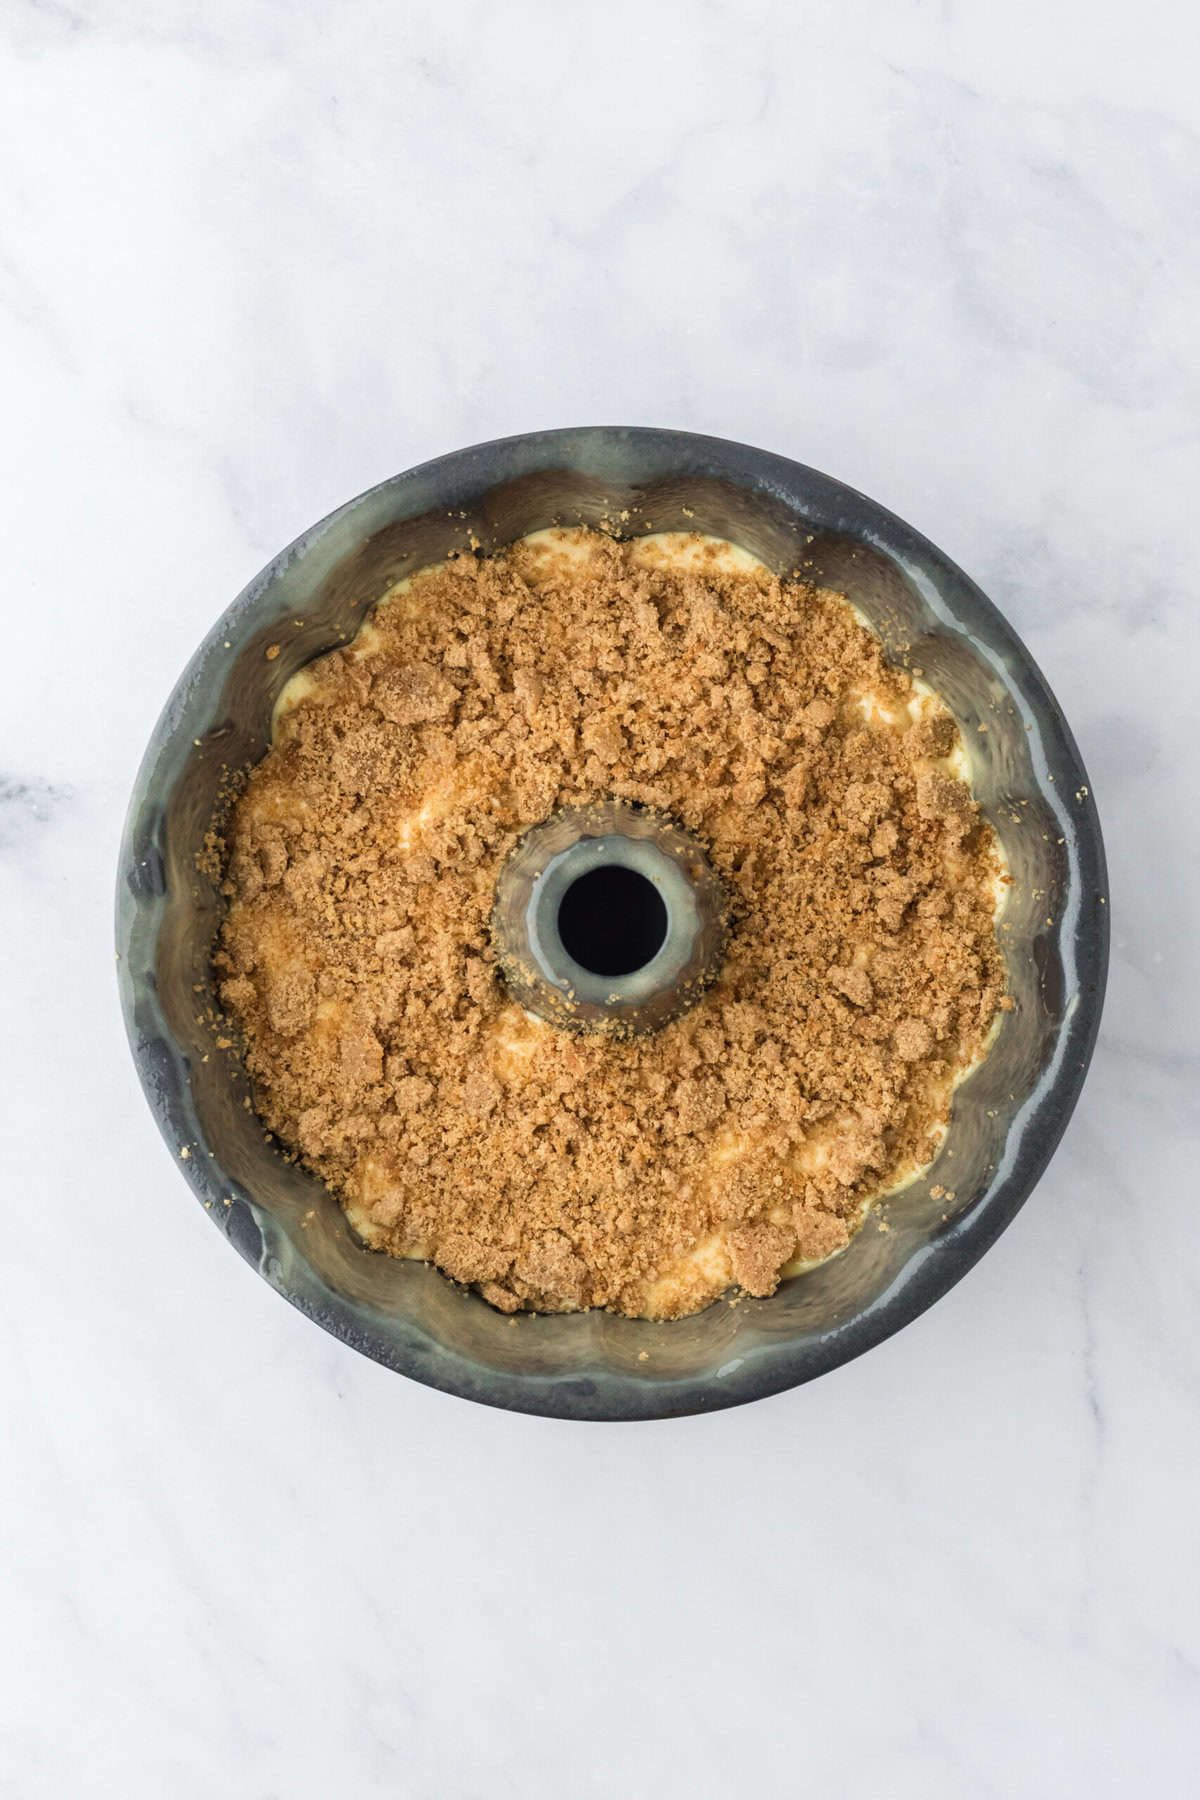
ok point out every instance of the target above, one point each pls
(578, 899)
(608, 918)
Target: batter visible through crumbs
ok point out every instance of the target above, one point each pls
(741, 1141)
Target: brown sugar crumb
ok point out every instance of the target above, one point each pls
(855, 984)
(647, 1174)
(913, 1039)
(758, 1252)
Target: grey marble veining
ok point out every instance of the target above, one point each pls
(254, 258)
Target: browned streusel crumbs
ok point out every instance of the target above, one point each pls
(556, 1172)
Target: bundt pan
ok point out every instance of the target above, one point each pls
(1008, 1116)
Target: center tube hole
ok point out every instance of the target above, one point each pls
(612, 921)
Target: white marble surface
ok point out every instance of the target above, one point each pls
(254, 257)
